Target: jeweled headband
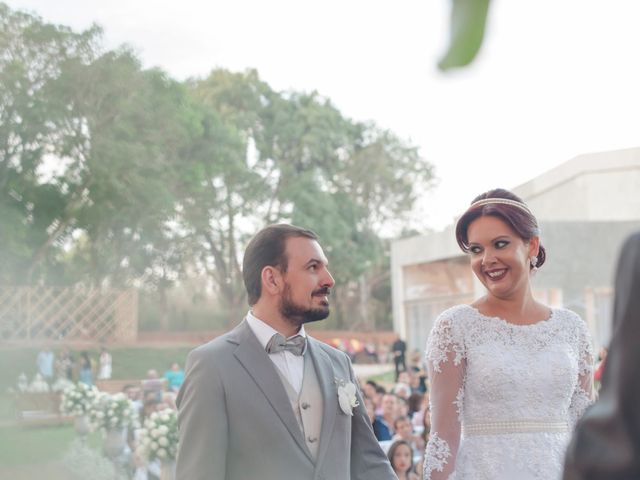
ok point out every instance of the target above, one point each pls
(502, 201)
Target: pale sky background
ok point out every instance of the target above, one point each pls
(554, 79)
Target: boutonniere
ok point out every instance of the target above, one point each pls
(347, 398)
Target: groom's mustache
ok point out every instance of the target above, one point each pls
(321, 292)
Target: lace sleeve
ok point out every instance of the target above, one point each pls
(584, 393)
(446, 366)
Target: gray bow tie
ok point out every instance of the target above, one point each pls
(278, 343)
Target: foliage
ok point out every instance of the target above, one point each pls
(32, 57)
(82, 461)
(36, 446)
(115, 175)
(467, 26)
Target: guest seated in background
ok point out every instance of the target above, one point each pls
(153, 384)
(85, 374)
(143, 469)
(402, 407)
(65, 364)
(417, 382)
(45, 361)
(417, 373)
(104, 364)
(383, 424)
(377, 398)
(402, 390)
(369, 389)
(400, 455)
(404, 431)
(416, 403)
(370, 407)
(174, 377)
(134, 393)
(602, 357)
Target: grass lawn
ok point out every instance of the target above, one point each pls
(29, 452)
(34, 445)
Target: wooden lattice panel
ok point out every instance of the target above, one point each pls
(54, 313)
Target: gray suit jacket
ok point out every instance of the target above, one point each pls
(236, 421)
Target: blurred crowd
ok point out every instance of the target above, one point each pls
(399, 415)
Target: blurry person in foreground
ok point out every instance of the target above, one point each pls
(606, 443)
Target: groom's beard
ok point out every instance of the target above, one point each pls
(297, 314)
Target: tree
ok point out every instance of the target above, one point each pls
(32, 55)
(112, 175)
(296, 159)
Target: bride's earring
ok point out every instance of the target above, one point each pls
(534, 264)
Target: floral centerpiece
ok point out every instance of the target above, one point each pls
(111, 412)
(61, 384)
(158, 439)
(78, 399)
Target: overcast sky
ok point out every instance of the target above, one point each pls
(555, 78)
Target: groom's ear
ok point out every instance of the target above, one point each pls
(272, 280)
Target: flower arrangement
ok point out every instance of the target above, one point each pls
(159, 437)
(38, 385)
(111, 412)
(61, 384)
(78, 399)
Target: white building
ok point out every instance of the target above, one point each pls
(586, 207)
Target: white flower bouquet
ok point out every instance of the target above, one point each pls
(61, 384)
(159, 437)
(111, 412)
(38, 385)
(78, 399)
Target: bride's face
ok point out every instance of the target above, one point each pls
(499, 257)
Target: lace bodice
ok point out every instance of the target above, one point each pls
(496, 386)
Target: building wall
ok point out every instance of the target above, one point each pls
(594, 187)
(582, 257)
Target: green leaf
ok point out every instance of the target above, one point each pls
(468, 20)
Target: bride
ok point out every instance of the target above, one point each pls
(509, 375)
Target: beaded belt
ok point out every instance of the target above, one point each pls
(517, 426)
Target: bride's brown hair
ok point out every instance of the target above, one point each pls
(518, 217)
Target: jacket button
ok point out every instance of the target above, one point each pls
(305, 405)
(312, 439)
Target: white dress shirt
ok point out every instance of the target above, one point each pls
(290, 365)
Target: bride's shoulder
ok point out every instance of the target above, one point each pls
(568, 317)
(456, 315)
(570, 321)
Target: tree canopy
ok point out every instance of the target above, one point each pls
(112, 174)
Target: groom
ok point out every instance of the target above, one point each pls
(266, 401)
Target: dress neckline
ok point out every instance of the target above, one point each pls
(547, 320)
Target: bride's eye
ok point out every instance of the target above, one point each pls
(501, 244)
(475, 249)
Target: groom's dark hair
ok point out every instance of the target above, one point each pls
(268, 248)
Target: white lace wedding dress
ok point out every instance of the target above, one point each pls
(504, 397)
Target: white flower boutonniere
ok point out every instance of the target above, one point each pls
(347, 398)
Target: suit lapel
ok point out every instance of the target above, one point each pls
(326, 378)
(262, 370)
